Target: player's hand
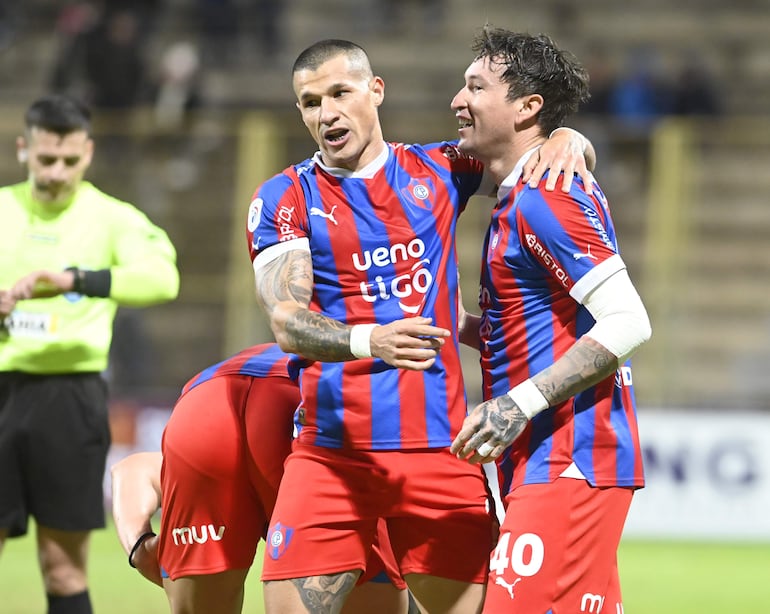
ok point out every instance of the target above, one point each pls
(488, 430)
(563, 152)
(43, 284)
(409, 343)
(145, 560)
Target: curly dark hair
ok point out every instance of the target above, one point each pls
(535, 65)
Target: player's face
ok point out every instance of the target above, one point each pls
(55, 163)
(338, 103)
(486, 117)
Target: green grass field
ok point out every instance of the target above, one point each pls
(658, 578)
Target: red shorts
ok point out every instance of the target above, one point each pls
(435, 507)
(381, 564)
(223, 453)
(557, 550)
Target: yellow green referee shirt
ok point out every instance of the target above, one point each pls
(71, 333)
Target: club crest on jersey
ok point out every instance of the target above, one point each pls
(278, 538)
(255, 214)
(419, 192)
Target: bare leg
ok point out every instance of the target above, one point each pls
(377, 598)
(314, 595)
(220, 592)
(63, 558)
(444, 596)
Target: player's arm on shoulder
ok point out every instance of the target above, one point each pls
(567, 151)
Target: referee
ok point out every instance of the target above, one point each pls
(69, 256)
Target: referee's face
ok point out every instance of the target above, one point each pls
(56, 163)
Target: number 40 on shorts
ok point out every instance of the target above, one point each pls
(526, 555)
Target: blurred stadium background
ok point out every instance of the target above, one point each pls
(194, 109)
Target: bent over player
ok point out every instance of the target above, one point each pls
(222, 461)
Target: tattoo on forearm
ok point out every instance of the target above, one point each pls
(320, 338)
(289, 279)
(582, 366)
(325, 594)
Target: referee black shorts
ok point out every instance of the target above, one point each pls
(54, 439)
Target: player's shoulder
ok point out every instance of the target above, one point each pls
(288, 178)
(443, 154)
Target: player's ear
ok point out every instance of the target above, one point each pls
(530, 105)
(377, 87)
(89, 152)
(22, 155)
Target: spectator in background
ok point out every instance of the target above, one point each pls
(218, 23)
(695, 90)
(601, 78)
(226, 25)
(640, 94)
(101, 57)
(71, 254)
(178, 87)
(266, 19)
(391, 17)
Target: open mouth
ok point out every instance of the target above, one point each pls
(465, 123)
(335, 136)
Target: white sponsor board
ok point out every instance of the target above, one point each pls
(708, 476)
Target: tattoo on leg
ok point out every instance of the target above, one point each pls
(325, 594)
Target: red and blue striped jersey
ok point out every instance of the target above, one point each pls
(383, 248)
(543, 254)
(264, 360)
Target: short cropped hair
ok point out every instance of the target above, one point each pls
(533, 64)
(323, 51)
(58, 113)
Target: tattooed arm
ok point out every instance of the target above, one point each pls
(499, 421)
(284, 289)
(621, 327)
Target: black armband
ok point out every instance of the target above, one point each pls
(92, 283)
(137, 545)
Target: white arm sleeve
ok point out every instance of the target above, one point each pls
(622, 324)
(271, 253)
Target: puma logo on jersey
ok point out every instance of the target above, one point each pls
(499, 580)
(320, 212)
(585, 254)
